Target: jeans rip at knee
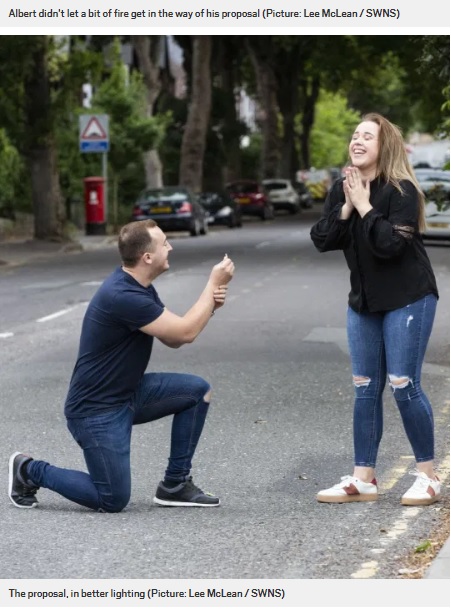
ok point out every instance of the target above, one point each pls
(402, 387)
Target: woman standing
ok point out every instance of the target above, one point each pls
(375, 215)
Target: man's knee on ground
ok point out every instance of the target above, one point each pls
(113, 505)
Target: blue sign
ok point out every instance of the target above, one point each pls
(94, 146)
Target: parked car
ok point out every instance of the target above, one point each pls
(437, 209)
(221, 209)
(251, 199)
(318, 181)
(431, 174)
(305, 196)
(282, 194)
(172, 208)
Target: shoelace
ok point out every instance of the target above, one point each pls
(29, 490)
(191, 486)
(195, 489)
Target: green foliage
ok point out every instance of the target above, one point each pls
(423, 546)
(11, 172)
(334, 123)
(171, 145)
(406, 78)
(444, 128)
(250, 157)
(123, 99)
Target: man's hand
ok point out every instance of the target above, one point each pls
(220, 296)
(222, 273)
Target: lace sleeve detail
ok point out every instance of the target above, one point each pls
(405, 231)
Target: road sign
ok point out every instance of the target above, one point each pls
(94, 133)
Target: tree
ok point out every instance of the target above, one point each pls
(148, 50)
(261, 51)
(334, 122)
(11, 168)
(133, 132)
(194, 136)
(27, 61)
(228, 79)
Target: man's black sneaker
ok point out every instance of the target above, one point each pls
(186, 494)
(21, 492)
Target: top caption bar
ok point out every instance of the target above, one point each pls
(183, 13)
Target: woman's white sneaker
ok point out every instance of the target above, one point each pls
(424, 490)
(348, 490)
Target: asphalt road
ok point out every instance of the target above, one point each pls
(279, 427)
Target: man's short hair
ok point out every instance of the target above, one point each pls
(134, 241)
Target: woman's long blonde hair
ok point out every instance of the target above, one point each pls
(393, 163)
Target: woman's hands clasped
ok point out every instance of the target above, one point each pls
(357, 192)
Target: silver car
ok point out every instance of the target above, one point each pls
(436, 188)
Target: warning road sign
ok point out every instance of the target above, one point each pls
(94, 133)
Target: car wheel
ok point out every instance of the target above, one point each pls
(268, 213)
(204, 228)
(195, 229)
(234, 221)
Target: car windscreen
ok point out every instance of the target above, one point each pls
(208, 199)
(156, 196)
(275, 185)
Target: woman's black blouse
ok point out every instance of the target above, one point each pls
(384, 250)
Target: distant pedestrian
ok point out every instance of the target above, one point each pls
(110, 392)
(376, 215)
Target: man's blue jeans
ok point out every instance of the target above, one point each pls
(393, 343)
(105, 440)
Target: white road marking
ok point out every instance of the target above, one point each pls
(6, 335)
(262, 244)
(91, 283)
(57, 314)
(368, 569)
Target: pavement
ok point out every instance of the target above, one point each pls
(16, 252)
(439, 568)
(20, 251)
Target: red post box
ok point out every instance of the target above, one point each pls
(95, 205)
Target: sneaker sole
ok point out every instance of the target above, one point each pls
(10, 483)
(183, 503)
(345, 498)
(420, 501)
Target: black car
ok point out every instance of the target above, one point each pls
(172, 208)
(221, 209)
